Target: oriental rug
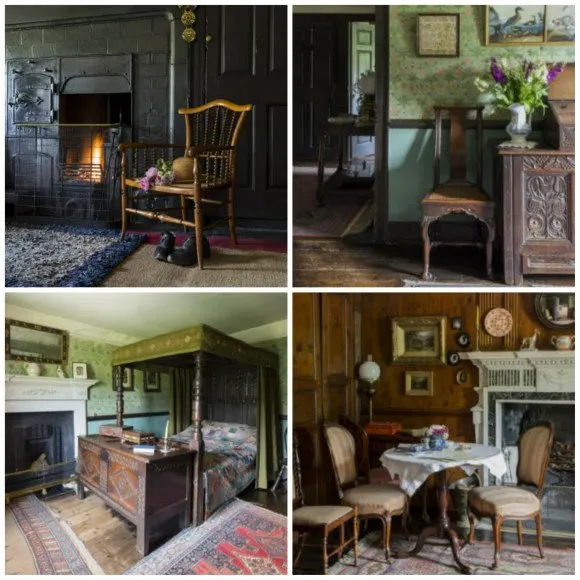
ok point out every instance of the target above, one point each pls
(37, 542)
(436, 559)
(240, 538)
(58, 255)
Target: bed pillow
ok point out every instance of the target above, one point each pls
(234, 432)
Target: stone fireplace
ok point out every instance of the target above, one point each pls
(43, 418)
(516, 390)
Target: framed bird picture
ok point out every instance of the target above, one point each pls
(509, 25)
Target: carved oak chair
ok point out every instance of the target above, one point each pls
(502, 502)
(321, 520)
(211, 135)
(380, 502)
(457, 195)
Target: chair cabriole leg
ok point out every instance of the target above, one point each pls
(538, 519)
(497, 521)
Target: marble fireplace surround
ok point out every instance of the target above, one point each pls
(25, 394)
(517, 376)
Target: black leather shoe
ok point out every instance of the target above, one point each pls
(166, 246)
(187, 254)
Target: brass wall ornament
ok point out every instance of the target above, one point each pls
(188, 19)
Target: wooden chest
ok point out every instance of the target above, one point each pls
(146, 489)
(559, 129)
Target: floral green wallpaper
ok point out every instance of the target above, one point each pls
(279, 346)
(416, 84)
(101, 401)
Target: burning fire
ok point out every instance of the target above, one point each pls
(86, 165)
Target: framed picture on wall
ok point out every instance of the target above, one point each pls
(560, 24)
(511, 25)
(438, 35)
(152, 382)
(419, 340)
(79, 371)
(128, 382)
(419, 383)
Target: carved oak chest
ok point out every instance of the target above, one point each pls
(535, 212)
(147, 490)
(559, 131)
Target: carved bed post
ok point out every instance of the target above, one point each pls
(118, 382)
(196, 438)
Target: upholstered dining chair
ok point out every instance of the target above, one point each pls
(503, 502)
(373, 501)
(207, 167)
(321, 520)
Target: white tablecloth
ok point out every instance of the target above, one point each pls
(413, 469)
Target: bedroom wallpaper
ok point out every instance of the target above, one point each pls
(416, 84)
(101, 401)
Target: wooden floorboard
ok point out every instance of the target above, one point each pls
(345, 263)
(111, 539)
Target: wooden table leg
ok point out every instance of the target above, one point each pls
(321, 148)
(442, 529)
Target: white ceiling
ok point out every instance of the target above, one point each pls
(147, 314)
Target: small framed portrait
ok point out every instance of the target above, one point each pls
(419, 340)
(419, 383)
(80, 371)
(128, 379)
(456, 323)
(152, 382)
(438, 35)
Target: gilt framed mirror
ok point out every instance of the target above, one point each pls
(34, 343)
(556, 310)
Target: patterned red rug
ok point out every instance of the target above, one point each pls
(241, 538)
(51, 548)
(436, 559)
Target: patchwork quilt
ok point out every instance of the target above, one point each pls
(229, 460)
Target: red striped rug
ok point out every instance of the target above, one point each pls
(53, 550)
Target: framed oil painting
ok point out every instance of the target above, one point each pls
(128, 379)
(510, 25)
(419, 340)
(419, 383)
(438, 35)
(152, 382)
(560, 24)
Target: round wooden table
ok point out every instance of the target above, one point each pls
(413, 469)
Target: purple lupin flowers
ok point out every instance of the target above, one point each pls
(497, 73)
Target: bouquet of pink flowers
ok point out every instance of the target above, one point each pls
(437, 431)
(160, 174)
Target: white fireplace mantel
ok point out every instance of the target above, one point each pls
(537, 371)
(26, 394)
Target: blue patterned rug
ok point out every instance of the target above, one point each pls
(54, 255)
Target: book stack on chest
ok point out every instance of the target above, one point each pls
(138, 437)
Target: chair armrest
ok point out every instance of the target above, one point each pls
(193, 151)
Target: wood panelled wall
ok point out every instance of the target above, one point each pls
(334, 332)
(323, 379)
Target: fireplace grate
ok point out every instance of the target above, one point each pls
(66, 172)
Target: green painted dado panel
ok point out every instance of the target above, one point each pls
(418, 83)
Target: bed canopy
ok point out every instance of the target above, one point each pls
(217, 377)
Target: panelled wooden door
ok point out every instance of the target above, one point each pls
(319, 79)
(246, 62)
(323, 381)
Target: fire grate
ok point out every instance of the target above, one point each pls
(66, 172)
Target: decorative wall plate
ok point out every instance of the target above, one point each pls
(498, 322)
(453, 357)
(463, 339)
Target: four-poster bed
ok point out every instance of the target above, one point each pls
(222, 380)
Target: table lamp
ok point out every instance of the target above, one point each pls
(369, 371)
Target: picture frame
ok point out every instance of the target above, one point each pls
(456, 323)
(419, 383)
(438, 35)
(79, 371)
(530, 25)
(128, 379)
(151, 382)
(419, 340)
(556, 310)
(27, 342)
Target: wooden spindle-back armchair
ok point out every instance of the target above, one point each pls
(212, 131)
